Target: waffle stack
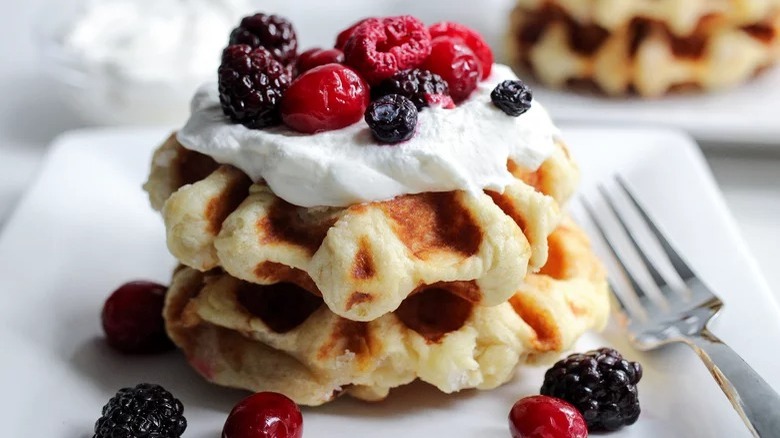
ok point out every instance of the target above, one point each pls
(644, 47)
(452, 288)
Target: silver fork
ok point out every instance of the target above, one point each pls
(684, 318)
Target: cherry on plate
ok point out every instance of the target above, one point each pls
(264, 415)
(132, 318)
(540, 416)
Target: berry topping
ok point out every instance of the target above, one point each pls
(456, 64)
(378, 48)
(346, 34)
(264, 415)
(146, 411)
(132, 318)
(271, 32)
(325, 98)
(251, 84)
(471, 38)
(545, 417)
(601, 384)
(420, 86)
(512, 97)
(392, 118)
(317, 57)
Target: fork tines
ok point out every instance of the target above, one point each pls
(647, 298)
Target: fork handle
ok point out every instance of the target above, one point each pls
(755, 401)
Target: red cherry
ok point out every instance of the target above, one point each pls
(471, 38)
(325, 98)
(540, 416)
(452, 60)
(264, 415)
(132, 318)
(317, 57)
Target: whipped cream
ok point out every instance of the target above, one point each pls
(140, 61)
(465, 148)
(153, 40)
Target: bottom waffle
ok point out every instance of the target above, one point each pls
(282, 338)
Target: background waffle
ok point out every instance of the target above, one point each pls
(648, 47)
(282, 338)
(363, 260)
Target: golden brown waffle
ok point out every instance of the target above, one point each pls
(363, 260)
(647, 47)
(282, 338)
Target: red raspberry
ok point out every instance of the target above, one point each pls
(540, 416)
(441, 100)
(471, 38)
(264, 415)
(345, 34)
(456, 64)
(325, 98)
(317, 57)
(380, 48)
(132, 318)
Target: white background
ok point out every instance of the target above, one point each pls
(32, 114)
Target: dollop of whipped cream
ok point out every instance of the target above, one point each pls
(167, 41)
(465, 148)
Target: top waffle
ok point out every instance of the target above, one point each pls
(650, 48)
(682, 17)
(363, 260)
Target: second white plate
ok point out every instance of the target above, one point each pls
(746, 114)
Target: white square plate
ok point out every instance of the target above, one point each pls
(85, 227)
(745, 114)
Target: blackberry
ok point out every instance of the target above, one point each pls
(251, 85)
(271, 32)
(600, 384)
(146, 411)
(392, 118)
(415, 84)
(512, 97)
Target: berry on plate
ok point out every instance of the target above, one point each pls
(512, 97)
(392, 118)
(540, 416)
(378, 48)
(132, 318)
(471, 38)
(271, 32)
(317, 57)
(325, 98)
(264, 415)
(421, 87)
(251, 84)
(146, 411)
(455, 63)
(601, 384)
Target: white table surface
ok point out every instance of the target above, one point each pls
(31, 115)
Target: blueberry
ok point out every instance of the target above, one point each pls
(392, 118)
(512, 97)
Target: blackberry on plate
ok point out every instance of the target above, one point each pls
(512, 97)
(146, 411)
(392, 118)
(417, 84)
(601, 384)
(251, 85)
(271, 32)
